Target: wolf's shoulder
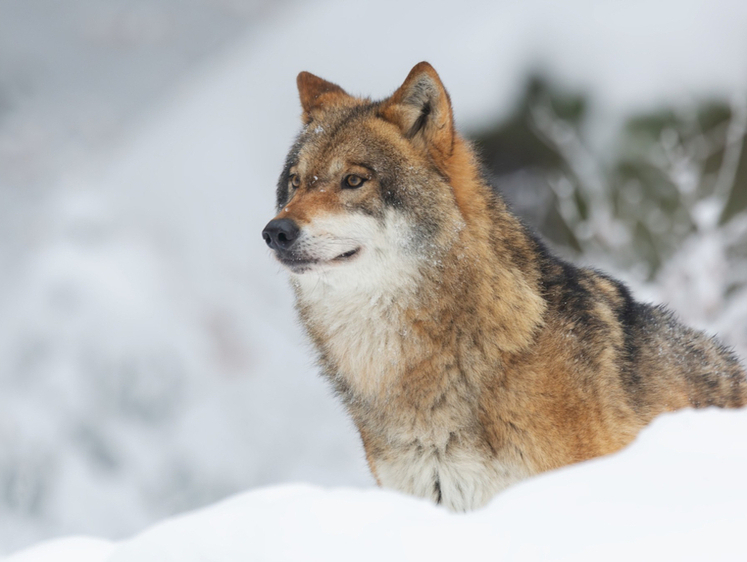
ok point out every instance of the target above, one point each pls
(594, 302)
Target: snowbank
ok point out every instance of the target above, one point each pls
(678, 493)
(71, 549)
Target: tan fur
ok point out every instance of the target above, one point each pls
(468, 356)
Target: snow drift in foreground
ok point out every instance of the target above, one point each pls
(676, 494)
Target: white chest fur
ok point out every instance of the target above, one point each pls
(364, 335)
(460, 478)
(361, 330)
(365, 340)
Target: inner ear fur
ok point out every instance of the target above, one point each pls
(421, 108)
(315, 93)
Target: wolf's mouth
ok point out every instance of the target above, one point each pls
(296, 265)
(347, 255)
(299, 264)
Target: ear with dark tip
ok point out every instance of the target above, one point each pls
(421, 108)
(315, 92)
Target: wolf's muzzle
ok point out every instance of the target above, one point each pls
(280, 234)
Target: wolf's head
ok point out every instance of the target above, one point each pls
(365, 190)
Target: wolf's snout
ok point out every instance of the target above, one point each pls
(280, 233)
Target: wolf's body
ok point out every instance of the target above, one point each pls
(468, 356)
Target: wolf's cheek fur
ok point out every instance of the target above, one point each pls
(383, 249)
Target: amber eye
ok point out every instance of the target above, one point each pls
(352, 181)
(295, 181)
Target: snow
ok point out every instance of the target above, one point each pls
(677, 493)
(78, 549)
(149, 355)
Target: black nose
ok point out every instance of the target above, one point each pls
(280, 233)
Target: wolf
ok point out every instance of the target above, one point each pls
(467, 354)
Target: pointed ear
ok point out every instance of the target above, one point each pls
(421, 108)
(316, 92)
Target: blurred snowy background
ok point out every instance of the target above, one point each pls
(149, 357)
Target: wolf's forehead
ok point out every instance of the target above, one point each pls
(324, 157)
(330, 148)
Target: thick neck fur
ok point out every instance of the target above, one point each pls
(377, 340)
(495, 277)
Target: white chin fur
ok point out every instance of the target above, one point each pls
(380, 258)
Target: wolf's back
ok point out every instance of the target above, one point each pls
(689, 368)
(662, 364)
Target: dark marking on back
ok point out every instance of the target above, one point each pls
(632, 317)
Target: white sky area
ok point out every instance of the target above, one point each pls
(150, 360)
